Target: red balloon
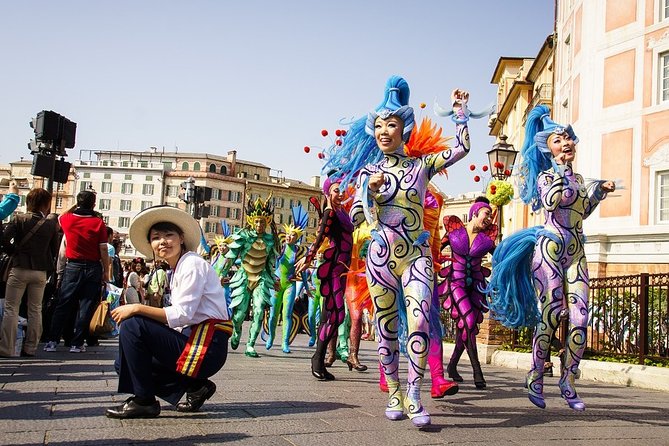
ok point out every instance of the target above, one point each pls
(343, 133)
(485, 168)
(493, 191)
(338, 142)
(338, 132)
(472, 167)
(324, 132)
(321, 156)
(477, 178)
(507, 172)
(306, 149)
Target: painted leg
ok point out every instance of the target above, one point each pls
(314, 315)
(342, 336)
(353, 361)
(256, 325)
(288, 305)
(238, 316)
(274, 310)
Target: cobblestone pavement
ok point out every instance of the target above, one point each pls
(59, 399)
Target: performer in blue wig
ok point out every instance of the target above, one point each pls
(540, 274)
(399, 265)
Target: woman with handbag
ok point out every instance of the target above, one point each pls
(169, 352)
(34, 248)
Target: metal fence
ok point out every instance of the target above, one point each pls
(628, 316)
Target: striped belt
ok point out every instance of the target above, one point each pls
(198, 343)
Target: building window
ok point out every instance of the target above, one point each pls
(123, 222)
(664, 76)
(86, 185)
(235, 213)
(215, 194)
(256, 176)
(184, 166)
(105, 204)
(107, 176)
(126, 205)
(149, 178)
(87, 174)
(213, 211)
(105, 218)
(143, 164)
(147, 189)
(146, 204)
(59, 202)
(172, 191)
(224, 170)
(106, 188)
(212, 168)
(61, 187)
(664, 9)
(128, 177)
(126, 188)
(196, 166)
(662, 205)
(167, 165)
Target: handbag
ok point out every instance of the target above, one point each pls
(6, 259)
(101, 322)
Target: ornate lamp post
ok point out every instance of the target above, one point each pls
(501, 158)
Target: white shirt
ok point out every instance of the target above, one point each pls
(197, 294)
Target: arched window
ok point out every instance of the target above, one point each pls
(184, 166)
(196, 166)
(212, 168)
(224, 170)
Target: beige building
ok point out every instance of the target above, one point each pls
(129, 181)
(612, 84)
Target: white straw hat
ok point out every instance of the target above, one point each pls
(142, 223)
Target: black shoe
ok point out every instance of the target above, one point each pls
(195, 400)
(454, 375)
(320, 373)
(130, 409)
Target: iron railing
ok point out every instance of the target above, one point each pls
(628, 316)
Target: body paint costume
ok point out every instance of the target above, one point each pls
(462, 289)
(314, 310)
(400, 269)
(540, 274)
(217, 254)
(255, 277)
(284, 297)
(337, 227)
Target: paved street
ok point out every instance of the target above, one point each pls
(59, 399)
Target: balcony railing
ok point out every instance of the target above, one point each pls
(543, 94)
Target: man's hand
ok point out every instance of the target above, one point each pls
(123, 312)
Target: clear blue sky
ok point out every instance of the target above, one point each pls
(260, 77)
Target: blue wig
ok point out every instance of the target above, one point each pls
(536, 154)
(510, 290)
(359, 147)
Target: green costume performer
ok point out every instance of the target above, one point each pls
(255, 277)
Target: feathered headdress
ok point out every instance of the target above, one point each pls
(260, 209)
(300, 221)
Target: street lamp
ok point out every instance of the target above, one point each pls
(501, 158)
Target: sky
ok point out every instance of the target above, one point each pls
(260, 77)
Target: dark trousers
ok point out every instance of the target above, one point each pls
(82, 284)
(148, 354)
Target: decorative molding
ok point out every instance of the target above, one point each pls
(652, 43)
(661, 156)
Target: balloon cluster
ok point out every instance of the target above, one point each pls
(499, 192)
(339, 134)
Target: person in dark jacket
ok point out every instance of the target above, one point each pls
(33, 256)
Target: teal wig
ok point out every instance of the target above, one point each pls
(536, 154)
(358, 147)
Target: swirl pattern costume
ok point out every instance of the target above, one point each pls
(557, 265)
(400, 269)
(255, 277)
(463, 285)
(336, 226)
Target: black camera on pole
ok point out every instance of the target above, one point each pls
(53, 134)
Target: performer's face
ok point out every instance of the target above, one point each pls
(388, 133)
(336, 195)
(483, 218)
(562, 146)
(259, 224)
(166, 245)
(291, 238)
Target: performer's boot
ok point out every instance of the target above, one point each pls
(535, 387)
(479, 381)
(383, 384)
(234, 339)
(395, 407)
(318, 363)
(440, 385)
(353, 362)
(568, 392)
(253, 335)
(417, 413)
(452, 369)
(330, 356)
